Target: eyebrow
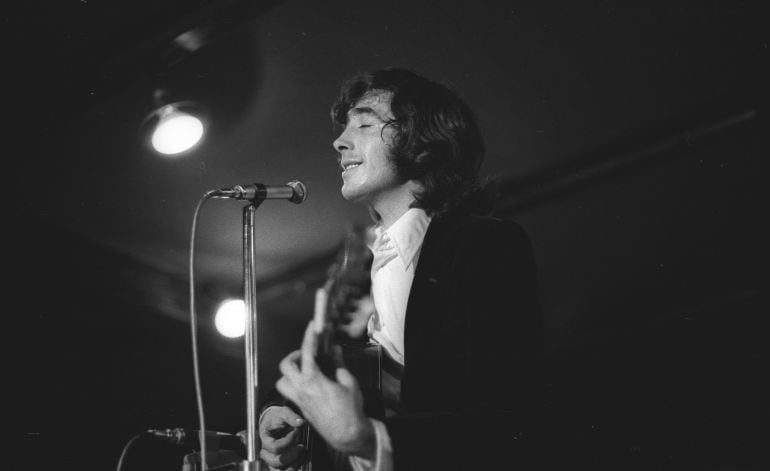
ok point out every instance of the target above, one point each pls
(365, 110)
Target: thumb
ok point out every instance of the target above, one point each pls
(292, 418)
(279, 416)
(346, 379)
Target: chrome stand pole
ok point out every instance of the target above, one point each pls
(250, 299)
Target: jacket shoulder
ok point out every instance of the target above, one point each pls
(489, 228)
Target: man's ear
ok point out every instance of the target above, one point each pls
(419, 164)
(421, 157)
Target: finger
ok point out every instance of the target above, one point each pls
(346, 379)
(280, 433)
(267, 444)
(271, 460)
(280, 442)
(286, 389)
(309, 349)
(289, 365)
(285, 459)
(284, 442)
(271, 425)
(290, 417)
(293, 456)
(279, 416)
(364, 307)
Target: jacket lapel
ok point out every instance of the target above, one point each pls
(429, 282)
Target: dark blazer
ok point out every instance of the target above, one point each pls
(473, 348)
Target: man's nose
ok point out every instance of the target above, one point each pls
(342, 142)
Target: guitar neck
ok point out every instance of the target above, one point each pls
(324, 329)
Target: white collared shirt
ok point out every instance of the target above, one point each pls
(396, 251)
(400, 246)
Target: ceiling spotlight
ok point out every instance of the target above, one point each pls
(230, 318)
(176, 131)
(174, 128)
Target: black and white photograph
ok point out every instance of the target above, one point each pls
(250, 235)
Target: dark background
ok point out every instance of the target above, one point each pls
(629, 139)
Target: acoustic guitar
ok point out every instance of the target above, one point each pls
(337, 302)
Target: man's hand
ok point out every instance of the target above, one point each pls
(354, 321)
(279, 433)
(334, 408)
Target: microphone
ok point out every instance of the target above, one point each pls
(191, 438)
(295, 191)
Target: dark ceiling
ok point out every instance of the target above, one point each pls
(624, 138)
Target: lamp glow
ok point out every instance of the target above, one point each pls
(230, 319)
(176, 131)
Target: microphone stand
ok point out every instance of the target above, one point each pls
(250, 299)
(256, 193)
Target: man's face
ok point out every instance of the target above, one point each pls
(364, 146)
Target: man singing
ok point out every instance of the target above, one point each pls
(455, 296)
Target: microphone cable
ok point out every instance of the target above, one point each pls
(125, 449)
(194, 333)
(194, 339)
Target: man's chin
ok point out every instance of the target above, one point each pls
(351, 195)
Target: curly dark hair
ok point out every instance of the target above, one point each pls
(437, 141)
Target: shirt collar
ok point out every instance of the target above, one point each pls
(407, 234)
